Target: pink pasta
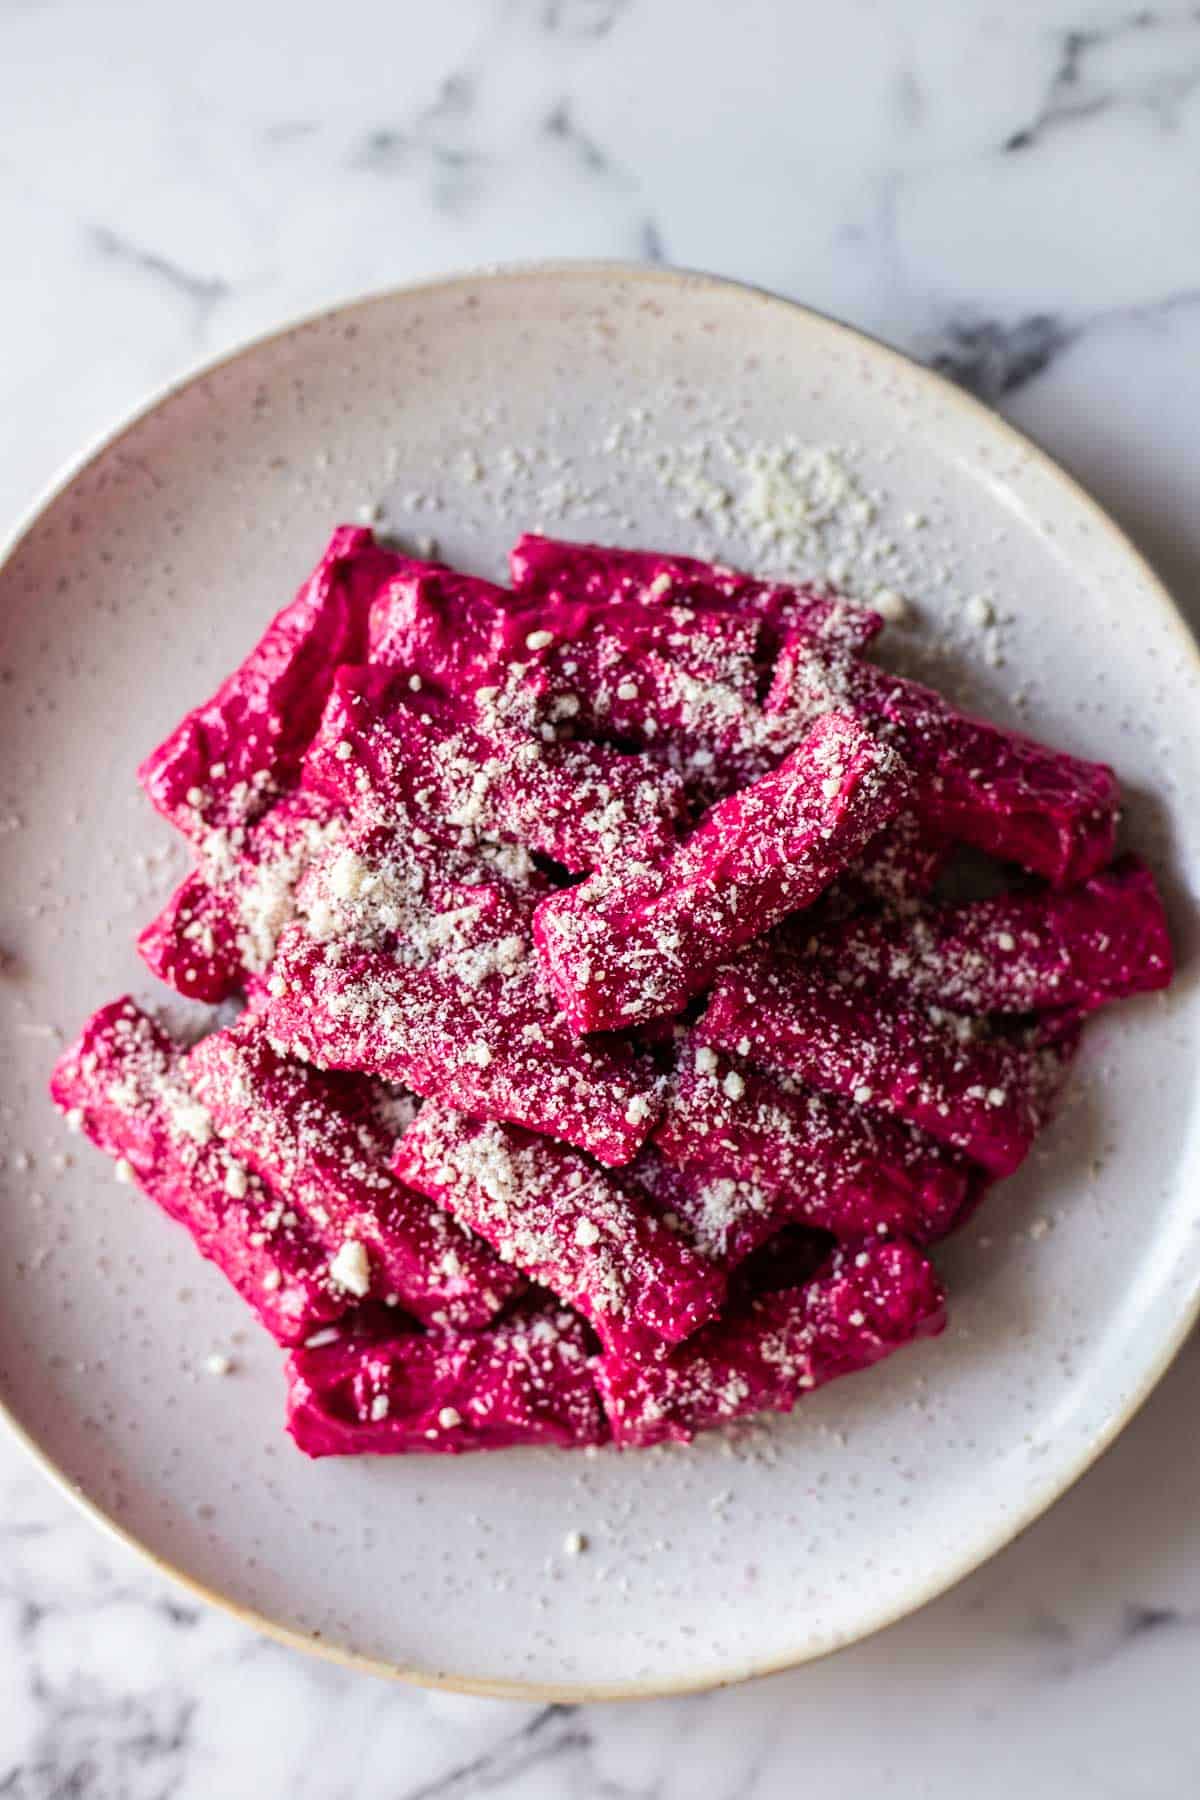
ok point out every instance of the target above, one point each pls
(195, 943)
(228, 758)
(869, 1300)
(1078, 947)
(526, 1380)
(962, 1086)
(384, 749)
(899, 866)
(759, 1153)
(442, 626)
(681, 682)
(321, 1140)
(124, 1084)
(554, 572)
(414, 963)
(725, 1217)
(977, 783)
(681, 685)
(789, 1258)
(444, 1041)
(458, 633)
(548, 1210)
(218, 931)
(635, 942)
(606, 1055)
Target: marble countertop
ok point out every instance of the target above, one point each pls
(1009, 192)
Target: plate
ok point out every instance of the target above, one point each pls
(645, 407)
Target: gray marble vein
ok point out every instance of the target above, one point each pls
(561, 126)
(434, 144)
(554, 1734)
(1086, 82)
(582, 19)
(993, 360)
(651, 244)
(199, 293)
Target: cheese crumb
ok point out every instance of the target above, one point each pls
(379, 1408)
(272, 1281)
(863, 1095)
(1005, 940)
(351, 1269)
(706, 1060)
(890, 605)
(349, 876)
(343, 751)
(449, 1417)
(734, 1085)
(539, 640)
(235, 1181)
(627, 690)
(123, 1170)
(587, 1233)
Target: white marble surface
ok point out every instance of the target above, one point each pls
(1009, 191)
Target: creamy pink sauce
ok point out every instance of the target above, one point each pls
(608, 1063)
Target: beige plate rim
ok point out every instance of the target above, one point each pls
(1040, 1499)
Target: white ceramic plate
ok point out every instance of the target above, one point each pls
(595, 400)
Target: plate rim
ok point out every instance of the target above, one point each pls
(1042, 1498)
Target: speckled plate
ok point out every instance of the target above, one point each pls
(649, 407)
